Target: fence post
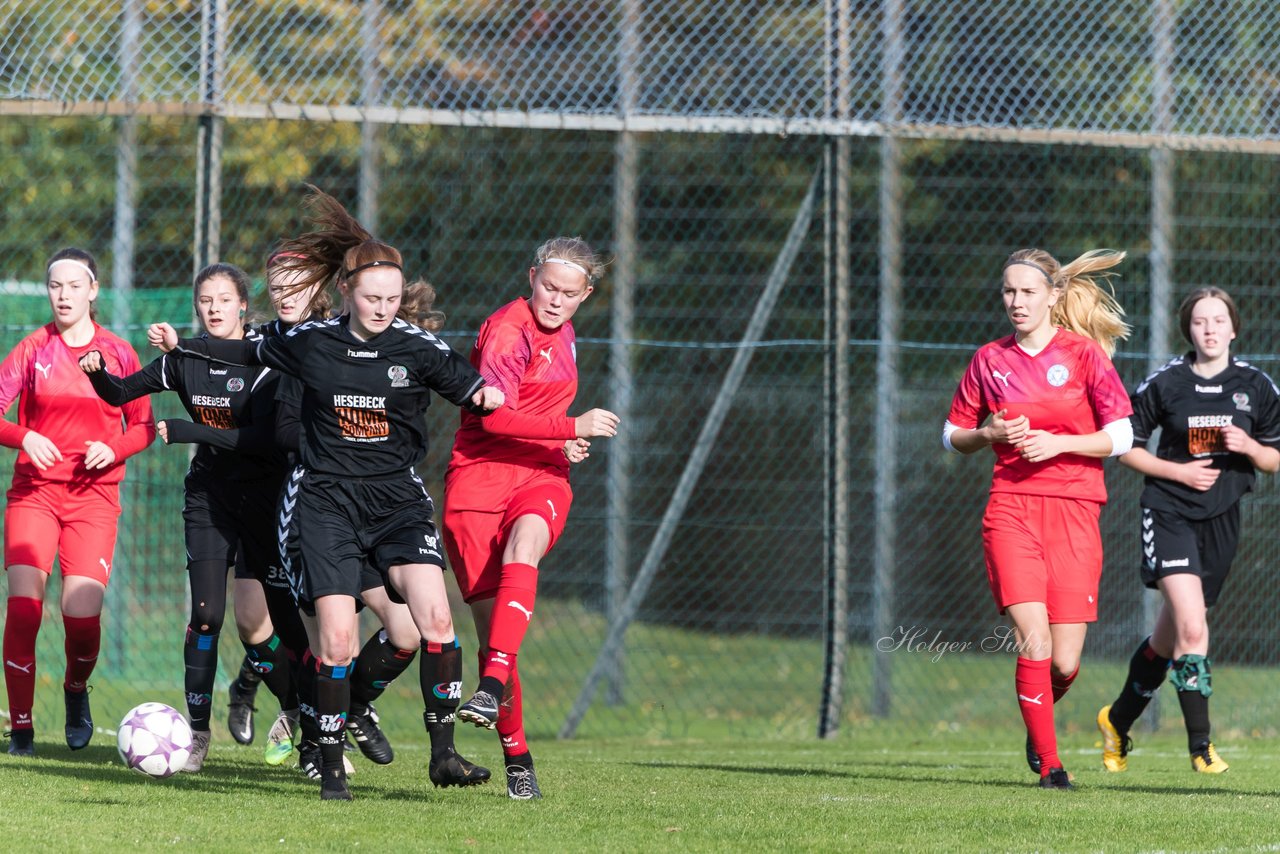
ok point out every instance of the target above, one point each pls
(213, 39)
(836, 320)
(626, 166)
(1162, 226)
(887, 358)
(122, 257)
(370, 95)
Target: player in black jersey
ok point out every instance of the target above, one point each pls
(1220, 421)
(229, 506)
(355, 497)
(391, 649)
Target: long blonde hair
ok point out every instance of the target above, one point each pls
(1086, 301)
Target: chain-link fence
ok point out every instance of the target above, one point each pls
(808, 204)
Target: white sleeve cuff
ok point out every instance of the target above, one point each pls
(947, 429)
(1121, 433)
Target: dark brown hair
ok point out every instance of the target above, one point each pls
(1207, 292)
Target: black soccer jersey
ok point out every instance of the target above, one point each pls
(231, 409)
(363, 401)
(1191, 412)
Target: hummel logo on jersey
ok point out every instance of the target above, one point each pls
(528, 615)
(1004, 378)
(16, 666)
(1209, 389)
(546, 354)
(363, 354)
(553, 509)
(1182, 561)
(1036, 699)
(44, 369)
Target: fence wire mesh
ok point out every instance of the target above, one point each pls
(730, 635)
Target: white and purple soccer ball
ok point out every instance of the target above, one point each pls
(154, 739)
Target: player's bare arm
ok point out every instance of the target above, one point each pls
(1264, 458)
(1200, 475)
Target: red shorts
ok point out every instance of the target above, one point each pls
(476, 536)
(1044, 549)
(74, 521)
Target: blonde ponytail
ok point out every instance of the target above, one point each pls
(1087, 304)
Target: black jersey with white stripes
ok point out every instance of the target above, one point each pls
(363, 402)
(231, 409)
(1190, 412)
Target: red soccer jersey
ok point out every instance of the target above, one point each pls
(58, 402)
(1069, 387)
(538, 373)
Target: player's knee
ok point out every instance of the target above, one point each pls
(1064, 667)
(205, 619)
(1193, 634)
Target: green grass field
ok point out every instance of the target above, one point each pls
(877, 790)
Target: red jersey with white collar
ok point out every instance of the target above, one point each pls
(58, 402)
(537, 370)
(1069, 387)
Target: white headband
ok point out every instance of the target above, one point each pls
(80, 264)
(581, 269)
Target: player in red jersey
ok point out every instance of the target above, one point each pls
(1219, 423)
(507, 490)
(64, 500)
(1056, 407)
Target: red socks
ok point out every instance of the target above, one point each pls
(1035, 701)
(511, 719)
(84, 637)
(1062, 683)
(512, 613)
(21, 625)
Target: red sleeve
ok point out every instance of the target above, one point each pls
(968, 407)
(1108, 395)
(13, 373)
(506, 421)
(140, 426)
(504, 358)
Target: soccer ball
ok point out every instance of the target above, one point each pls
(154, 739)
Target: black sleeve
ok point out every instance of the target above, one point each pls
(1147, 411)
(240, 351)
(289, 414)
(1266, 429)
(255, 438)
(448, 374)
(118, 391)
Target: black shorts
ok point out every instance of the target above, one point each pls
(1173, 545)
(336, 533)
(231, 522)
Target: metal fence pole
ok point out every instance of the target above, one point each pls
(621, 381)
(1162, 228)
(701, 452)
(887, 358)
(208, 224)
(370, 94)
(836, 319)
(122, 259)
